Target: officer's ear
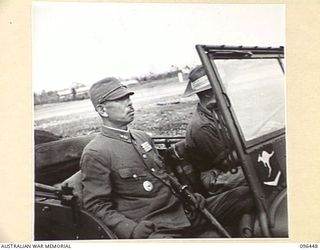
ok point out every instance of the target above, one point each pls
(102, 111)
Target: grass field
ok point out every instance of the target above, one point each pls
(160, 109)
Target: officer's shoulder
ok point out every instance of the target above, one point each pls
(195, 124)
(139, 132)
(97, 144)
(140, 135)
(199, 121)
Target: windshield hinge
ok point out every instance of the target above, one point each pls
(227, 100)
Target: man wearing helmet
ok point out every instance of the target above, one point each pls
(204, 144)
(205, 150)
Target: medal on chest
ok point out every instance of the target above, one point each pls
(147, 185)
(146, 146)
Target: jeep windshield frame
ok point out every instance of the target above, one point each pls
(231, 127)
(259, 68)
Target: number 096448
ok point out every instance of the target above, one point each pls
(308, 245)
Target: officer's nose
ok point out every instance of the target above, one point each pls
(129, 102)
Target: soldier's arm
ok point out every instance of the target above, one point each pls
(97, 196)
(207, 141)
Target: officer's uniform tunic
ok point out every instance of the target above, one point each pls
(124, 182)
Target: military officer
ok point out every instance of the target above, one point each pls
(124, 182)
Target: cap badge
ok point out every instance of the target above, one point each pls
(146, 146)
(147, 185)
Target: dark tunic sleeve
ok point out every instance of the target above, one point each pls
(207, 147)
(97, 195)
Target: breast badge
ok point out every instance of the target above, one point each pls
(148, 186)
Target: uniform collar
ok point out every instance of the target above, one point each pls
(203, 110)
(118, 134)
(212, 116)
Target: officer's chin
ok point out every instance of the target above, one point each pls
(131, 117)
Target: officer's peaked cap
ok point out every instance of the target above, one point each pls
(108, 89)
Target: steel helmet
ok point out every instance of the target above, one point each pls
(198, 81)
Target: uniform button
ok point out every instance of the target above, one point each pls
(144, 156)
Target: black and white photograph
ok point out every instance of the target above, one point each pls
(159, 121)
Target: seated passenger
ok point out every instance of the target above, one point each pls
(205, 150)
(204, 145)
(125, 183)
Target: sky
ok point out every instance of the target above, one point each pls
(86, 42)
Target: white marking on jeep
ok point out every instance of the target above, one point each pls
(274, 182)
(265, 159)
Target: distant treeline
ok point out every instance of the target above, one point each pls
(79, 94)
(46, 97)
(153, 77)
(53, 96)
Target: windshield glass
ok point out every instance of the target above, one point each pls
(256, 91)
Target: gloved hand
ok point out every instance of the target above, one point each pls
(200, 200)
(143, 229)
